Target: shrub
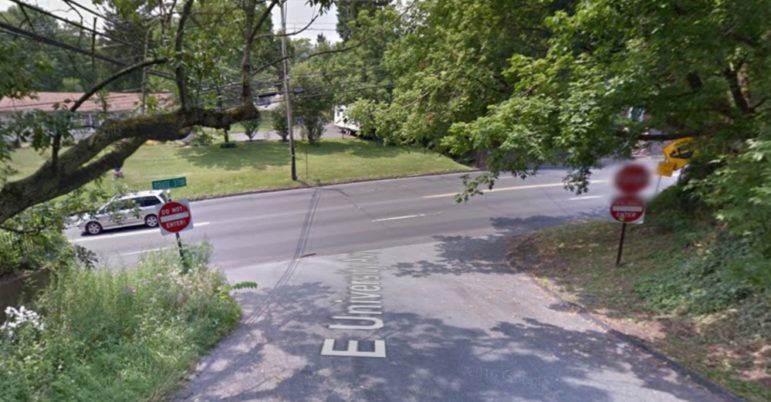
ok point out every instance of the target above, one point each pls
(127, 335)
(20, 252)
(251, 127)
(278, 120)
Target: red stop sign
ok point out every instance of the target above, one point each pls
(632, 178)
(174, 217)
(627, 208)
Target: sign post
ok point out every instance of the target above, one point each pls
(629, 207)
(621, 244)
(174, 217)
(626, 209)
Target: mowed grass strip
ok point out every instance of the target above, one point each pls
(214, 171)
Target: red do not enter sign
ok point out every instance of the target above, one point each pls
(174, 217)
(632, 178)
(627, 208)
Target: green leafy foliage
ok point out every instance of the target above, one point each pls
(29, 65)
(447, 61)
(33, 240)
(348, 10)
(119, 336)
(251, 127)
(312, 104)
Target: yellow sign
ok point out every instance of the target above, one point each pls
(679, 152)
(665, 168)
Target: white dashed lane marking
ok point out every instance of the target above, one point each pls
(586, 197)
(396, 218)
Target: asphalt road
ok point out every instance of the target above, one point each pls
(250, 229)
(389, 291)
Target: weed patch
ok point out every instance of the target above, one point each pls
(117, 336)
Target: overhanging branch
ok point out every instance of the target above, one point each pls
(86, 160)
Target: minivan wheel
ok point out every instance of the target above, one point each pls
(151, 221)
(93, 228)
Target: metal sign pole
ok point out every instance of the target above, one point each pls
(185, 266)
(621, 244)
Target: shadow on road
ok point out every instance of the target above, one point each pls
(274, 356)
(463, 254)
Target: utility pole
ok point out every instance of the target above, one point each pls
(287, 97)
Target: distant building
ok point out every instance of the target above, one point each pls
(90, 114)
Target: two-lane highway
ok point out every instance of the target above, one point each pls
(265, 227)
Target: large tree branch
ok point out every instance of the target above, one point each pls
(299, 31)
(112, 143)
(262, 20)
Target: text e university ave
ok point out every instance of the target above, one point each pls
(364, 308)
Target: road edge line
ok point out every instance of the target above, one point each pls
(305, 186)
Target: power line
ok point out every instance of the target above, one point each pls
(73, 23)
(52, 42)
(10, 29)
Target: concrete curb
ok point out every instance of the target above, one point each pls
(640, 344)
(305, 186)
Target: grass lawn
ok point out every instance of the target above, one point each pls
(264, 165)
(660, 295)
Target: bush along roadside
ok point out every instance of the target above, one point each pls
(690, 289)
(131, 335)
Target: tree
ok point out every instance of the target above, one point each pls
(446, 62)
(59, 64)
(701, 69)
(129, 31)
(348, 10)
(250, 127)
(186, 57)
(313, 101)
(278, 120)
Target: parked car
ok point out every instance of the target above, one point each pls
(129, 210)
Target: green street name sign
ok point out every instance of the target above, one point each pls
(169, 183)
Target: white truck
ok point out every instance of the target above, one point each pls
(343, 122)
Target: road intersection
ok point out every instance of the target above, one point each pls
(389, 291)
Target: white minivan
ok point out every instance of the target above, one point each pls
(129, 210)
